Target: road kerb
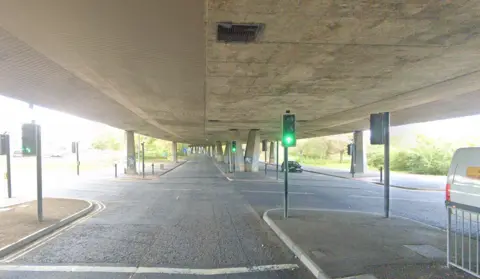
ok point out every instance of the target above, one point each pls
(301, 255)
(4, 251)
(167, 171)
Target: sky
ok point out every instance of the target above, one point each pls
(60, 129)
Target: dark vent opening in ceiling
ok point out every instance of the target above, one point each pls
(238, 33)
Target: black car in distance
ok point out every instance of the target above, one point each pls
(293, 166)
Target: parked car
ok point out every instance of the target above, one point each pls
(293, 166)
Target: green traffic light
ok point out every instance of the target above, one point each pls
(234, 149)
(288, 139)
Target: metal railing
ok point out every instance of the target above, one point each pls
(463, 238)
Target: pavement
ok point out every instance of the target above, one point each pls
(361, 245)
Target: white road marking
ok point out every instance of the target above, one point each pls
(399, 199)
(52, 236)
(277, 192)
(365, 276)
(147, 270)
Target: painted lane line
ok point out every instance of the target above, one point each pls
(364, 276)
(276, 192)
(52, 236)
(147, 270)
(399, 199)
(223, 173)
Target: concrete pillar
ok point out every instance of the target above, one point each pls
(271, 157)
(219, 156)
(360, 152)
(226, 153)
(131, 164)
(252, 152)
(174, 151)
(238, 156)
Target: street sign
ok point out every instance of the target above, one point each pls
(3, 145)
(377, 128)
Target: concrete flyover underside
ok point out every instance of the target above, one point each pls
(155, 67)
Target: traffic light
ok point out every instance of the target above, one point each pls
(4, 144)
(234, 146)
(29, 139)
(289, 138)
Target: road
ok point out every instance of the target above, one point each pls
(191, 221)
(321, 191)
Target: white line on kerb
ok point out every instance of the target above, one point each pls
(276, 192)
(54, 235)
(398, 199)
(147, 270)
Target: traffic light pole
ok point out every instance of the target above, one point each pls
(78, 158)
(9, 170)
(285, 201)
(386, 163)
(143, 159)
(277, 159)
(265, 163)
(38, 134)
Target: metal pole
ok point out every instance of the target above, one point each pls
(143, 159)
(285, 201)
(386, 163)
(230, 157)
(381, 174)
(116, 170)
(9, 170)
(153, 169)
(234, 161)
(265, 160)
(39, 174)
(78, 159)
(277, 159)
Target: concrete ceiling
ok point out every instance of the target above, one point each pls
(155, 67)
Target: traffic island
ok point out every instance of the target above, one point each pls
(157, 171)
(19, 225)
(347, 244)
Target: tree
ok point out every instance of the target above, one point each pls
(106, 142)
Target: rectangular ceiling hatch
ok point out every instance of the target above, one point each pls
(238, 33)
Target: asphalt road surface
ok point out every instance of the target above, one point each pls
(191, 222)
(321, 191)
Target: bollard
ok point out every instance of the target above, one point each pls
(381, 174)
(161, 166)
(153, 169)
(115, 170)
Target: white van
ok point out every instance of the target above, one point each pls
(463, 180)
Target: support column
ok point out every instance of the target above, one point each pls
(360, 152)
(252, 152)
(213, 151)
(131, 164)
(271, 159)
(226, 152)
(174, 151)
(219, 156)
(238, 156)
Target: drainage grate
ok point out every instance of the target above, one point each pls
(238, 33)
